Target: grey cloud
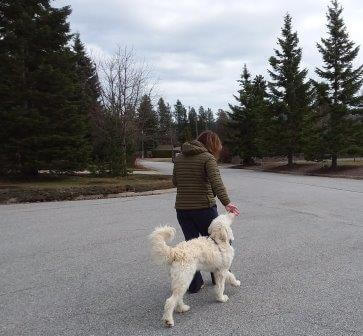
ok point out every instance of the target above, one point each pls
(198, 47)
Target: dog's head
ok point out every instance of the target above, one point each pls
(220, 228)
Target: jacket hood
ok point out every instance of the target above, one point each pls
(193, 148)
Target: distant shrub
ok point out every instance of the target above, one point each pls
(226, 155)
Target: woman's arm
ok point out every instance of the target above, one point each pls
(174, 176)
(216, 181)
(218, 187)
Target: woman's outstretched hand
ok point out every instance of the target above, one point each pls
(232, 208)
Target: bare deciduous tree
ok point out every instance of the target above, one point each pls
(124, 80)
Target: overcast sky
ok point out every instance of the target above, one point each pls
(197, 48)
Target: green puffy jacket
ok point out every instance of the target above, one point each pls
(197, 178)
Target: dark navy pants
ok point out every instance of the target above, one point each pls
(195, 223)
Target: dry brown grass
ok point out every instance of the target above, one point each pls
(347, 168)
(51, 188)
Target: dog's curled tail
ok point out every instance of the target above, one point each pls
(159, 249)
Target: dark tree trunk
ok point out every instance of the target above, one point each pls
(124, 158)
(334, 161)
(290, 160)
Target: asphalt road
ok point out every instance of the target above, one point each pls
(83, 267)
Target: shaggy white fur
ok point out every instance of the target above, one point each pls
(210, 254)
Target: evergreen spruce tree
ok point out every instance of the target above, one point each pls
(316, 123)
(148, 124)
(210, 119)
(222, 125)
(181, 121)
(43, 125)
(193, 122)
(261, 115)
(89, 91)
(245, 118)
(202, 119)
(87, 74)
(341, 131)
(290, 93)
(165, 122)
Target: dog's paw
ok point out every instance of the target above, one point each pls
(237, 283)
(168, 322)
(182, 309)
(223, 298)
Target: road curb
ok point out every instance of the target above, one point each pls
(300, 174)
(14, 200)
(126, 194)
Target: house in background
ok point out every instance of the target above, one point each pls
(165, 151)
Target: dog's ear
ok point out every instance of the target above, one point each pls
(222, 234)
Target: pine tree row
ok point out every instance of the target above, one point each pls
(167, 126)
(291, 114)
(59, 112)
(48, 87)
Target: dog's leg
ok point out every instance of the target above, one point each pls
(219, 287)
(231, 279)
(181, 307)
(180, 281)
(170, 304)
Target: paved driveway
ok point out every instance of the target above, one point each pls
(83, 267)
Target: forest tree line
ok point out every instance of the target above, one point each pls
(61, 111)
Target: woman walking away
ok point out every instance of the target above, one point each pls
(197, 178)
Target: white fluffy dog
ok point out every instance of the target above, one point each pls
(211, 254)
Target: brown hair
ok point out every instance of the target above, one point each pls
(211, 141)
